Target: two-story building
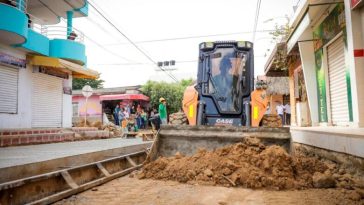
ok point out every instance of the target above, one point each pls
(38, 60)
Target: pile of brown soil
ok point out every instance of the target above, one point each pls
(271, 120)
(247, 164)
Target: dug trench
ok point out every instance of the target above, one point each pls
(250, 164)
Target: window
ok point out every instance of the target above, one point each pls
(8, 89)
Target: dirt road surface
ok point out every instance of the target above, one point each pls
(128, 190)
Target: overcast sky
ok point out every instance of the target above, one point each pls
(172, 30)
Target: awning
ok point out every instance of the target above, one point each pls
(77, 70)
(124, 97)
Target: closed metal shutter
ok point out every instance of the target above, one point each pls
(47, 101)
(8, 89)
(337, 82)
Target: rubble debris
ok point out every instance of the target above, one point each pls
(114, 131)
(178, 118)
(271, 120)
(247, 164)
(323, 180)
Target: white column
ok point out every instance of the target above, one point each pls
(67, 111)
(309, 70)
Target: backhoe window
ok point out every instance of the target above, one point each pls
(227, 67)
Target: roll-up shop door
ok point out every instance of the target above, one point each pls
(47, 101)
(337, 82)
(8, 89)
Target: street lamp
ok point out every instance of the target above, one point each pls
(167, 65)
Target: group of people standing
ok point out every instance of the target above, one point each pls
(284, 111)
(122, 115)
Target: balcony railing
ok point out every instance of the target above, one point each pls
(20, 4)
(60, 32)
(54, 31)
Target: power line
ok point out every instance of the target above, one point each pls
(131, 64)
(256, 19)
(127, 38)
(188, 37)
(101, 46)
(95, 42)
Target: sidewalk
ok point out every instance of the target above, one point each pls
(13, 156)
(340, 139)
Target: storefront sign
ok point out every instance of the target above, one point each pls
(325, 32)
(12, 61)
(355, 3)
(321, 86)
(330, 27)
(53, 72)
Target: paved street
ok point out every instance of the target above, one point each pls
(12, 156)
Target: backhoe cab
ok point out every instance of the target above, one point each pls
(225, 81)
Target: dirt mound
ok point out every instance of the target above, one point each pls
(248, 164)
(271, 120)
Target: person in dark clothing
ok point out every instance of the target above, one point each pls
(116, 114)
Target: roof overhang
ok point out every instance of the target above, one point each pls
(124, 97)
(307, 14)
(63, 65)
(48, 12)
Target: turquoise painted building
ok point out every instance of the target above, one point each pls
(38, 60)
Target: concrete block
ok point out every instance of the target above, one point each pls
(15, 141)
(45, 138)
(24, 140)
(6, 141)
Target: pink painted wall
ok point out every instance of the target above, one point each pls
(93, 105)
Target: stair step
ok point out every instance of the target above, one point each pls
(7, 132)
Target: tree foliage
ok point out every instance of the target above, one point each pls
(281, 32)
(279, 37)
(172, 92)
(78, 83)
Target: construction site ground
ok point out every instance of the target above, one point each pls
(126, 190)
(275, 176)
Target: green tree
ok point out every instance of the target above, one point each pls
(172, 92)
(78, 83)
(279, 36)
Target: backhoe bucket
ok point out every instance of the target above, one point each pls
(187, 139)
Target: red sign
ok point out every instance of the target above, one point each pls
(355, 3)
(359, 53)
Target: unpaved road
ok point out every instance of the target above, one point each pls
(126, 190)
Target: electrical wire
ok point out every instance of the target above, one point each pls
(90, 39)
(101, 46)
(130, 41)
(256, 19)
(128, 64)
(188, 37)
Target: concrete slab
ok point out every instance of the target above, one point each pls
(338, 139)
(13, 156)
(359, 132)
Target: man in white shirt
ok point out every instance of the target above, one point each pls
(287, 110)
(280, 111)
